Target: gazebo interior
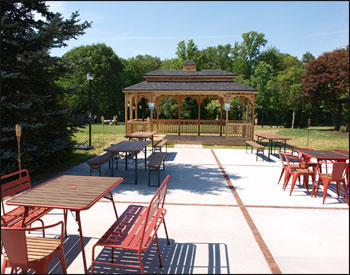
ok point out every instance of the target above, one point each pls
(199, 85)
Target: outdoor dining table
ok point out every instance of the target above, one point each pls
(69, 192)
(141, 136)
(271, 138)
(129, 147)
(322, 155)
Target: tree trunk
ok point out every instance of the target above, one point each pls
(293, 119)
(262, 118)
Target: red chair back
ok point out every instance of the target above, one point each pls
(153, 207)
(291, 159)
(14, 241)
(14, 183)
(338, 170)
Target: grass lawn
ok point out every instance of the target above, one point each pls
(322, 138)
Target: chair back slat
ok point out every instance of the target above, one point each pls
(154, 205)
(15, 182)
(15, 245)
(338, 170)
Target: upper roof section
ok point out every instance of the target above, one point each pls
(189, 73)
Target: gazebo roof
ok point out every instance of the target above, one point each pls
(189, 73)
(189, 86)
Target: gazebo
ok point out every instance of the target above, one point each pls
(189, 82)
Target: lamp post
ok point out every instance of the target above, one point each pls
(90, 77)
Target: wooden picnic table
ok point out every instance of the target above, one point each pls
(129, 147)
(68, 192)
(271, 138)
(141, 136)
(322, 155)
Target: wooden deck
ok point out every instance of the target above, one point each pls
(203, 139)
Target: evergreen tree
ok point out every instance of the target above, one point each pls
(30, 97)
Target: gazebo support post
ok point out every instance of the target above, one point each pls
(199, 101)
(179, 114)
(221, 100)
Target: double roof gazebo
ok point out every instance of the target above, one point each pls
(201, 84)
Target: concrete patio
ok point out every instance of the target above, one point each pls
(226, 214)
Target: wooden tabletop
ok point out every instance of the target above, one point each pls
(140, 135)
(133, 146)
(323, 154)
(68, 192)
(272, 136)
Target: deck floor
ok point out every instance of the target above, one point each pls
(203, 139)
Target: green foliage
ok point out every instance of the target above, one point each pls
(172, 64)
(326, 81)
(30, 95)
(188, 51)
(216, 58)
(106, 88)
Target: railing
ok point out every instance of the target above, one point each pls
(187, 126)
(137, 125)
(239, 130)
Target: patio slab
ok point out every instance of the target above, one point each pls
(215, 228)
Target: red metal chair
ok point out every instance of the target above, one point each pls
(306, 161)
(285, 168)
(335, 172)
(136, 229)
(29, 252)
(297, 172)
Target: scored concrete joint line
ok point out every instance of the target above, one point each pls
(263, 247)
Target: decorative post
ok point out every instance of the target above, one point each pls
(18, 135)
(90, 77)
(308, 131)
(115, 127)
(103, 132)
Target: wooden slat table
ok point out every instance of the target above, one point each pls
(127, 147)
(271, 138)
(68, 192)
(141, 136)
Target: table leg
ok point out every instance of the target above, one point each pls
(285, 145)
(145, 158)
(126, 160)
(112, 164)
(269, 149)
(77, 217)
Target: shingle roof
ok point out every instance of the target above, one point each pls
(189, 73)
(190, 86)
(189, 62)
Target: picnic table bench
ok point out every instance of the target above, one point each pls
(159, 144)
(12, 184)
(135, 229)
(259, 148)
(97, 162)
(154, 164)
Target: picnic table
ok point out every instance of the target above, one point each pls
(271, 138)
(68, 192)
(141, 136)
(129, 147)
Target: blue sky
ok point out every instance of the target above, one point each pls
(156, 27)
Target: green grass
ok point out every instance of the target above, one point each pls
(322, 138)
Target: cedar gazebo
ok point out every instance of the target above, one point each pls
(189, 82)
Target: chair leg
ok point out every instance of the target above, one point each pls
(166, 231)
(63, 262)
(345, 191)
(286, 180)
(325, 187)
(281, 176)
(3, 267)
(338, 188)
(160, 258)
(293, 183)
(318, 186)
(306, 182)
(140, 261)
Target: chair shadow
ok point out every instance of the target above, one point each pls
(177, 258)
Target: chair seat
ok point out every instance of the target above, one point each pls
(303, 171)
(39, 248)
(328, 176)
(293, 166)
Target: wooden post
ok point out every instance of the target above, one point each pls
(199, 101)
(103, 129)
(226, 128)
(253, 114)
(115, 127)
(179, 112)
(157, 102)
(18, 135)
(221, 100)
(136, 106)
(131, 109)
(126, 113)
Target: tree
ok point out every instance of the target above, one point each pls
(216, 58)
(262, 75)
(187, 51)
(326, 81)
(30, 96)
(246, 55)
(307, 57)
(106, 67)
(172, 64)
